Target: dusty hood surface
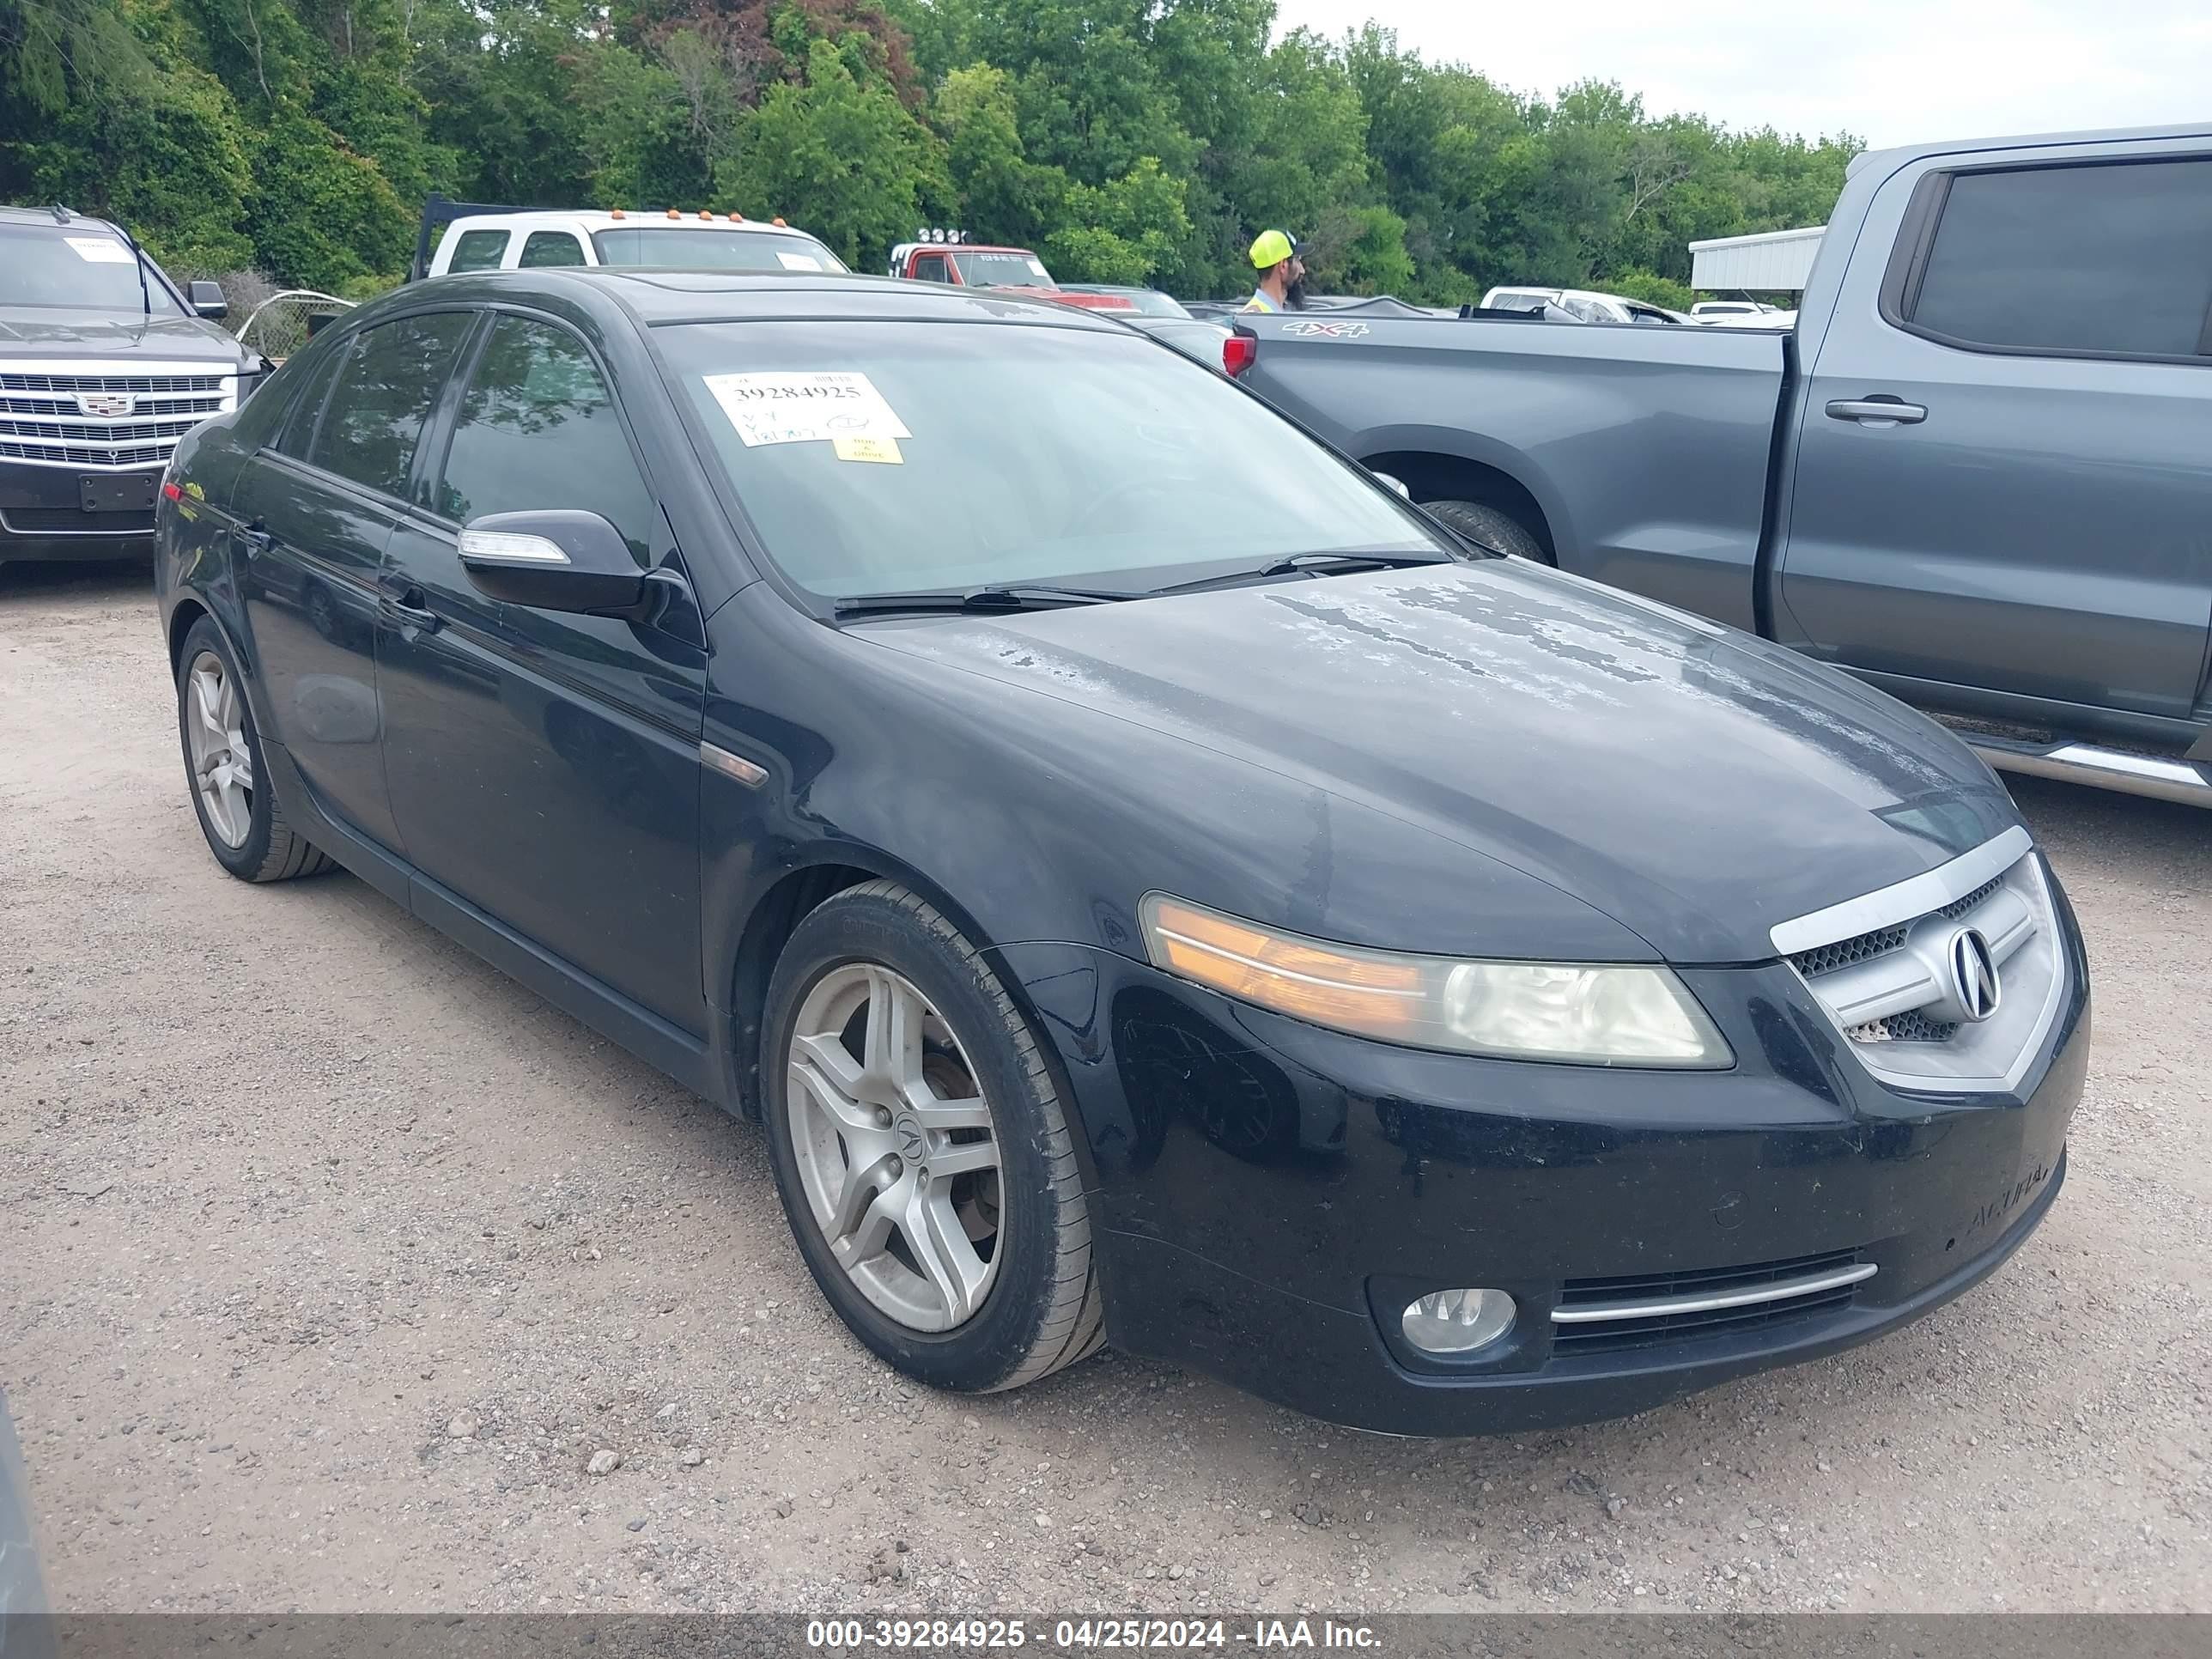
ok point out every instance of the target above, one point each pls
(40, 331)
(1694, 784)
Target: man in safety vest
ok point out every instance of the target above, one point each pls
(1282, 273)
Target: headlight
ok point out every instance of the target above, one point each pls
(1590, 1015)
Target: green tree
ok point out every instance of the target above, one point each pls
(1001, 195)
(1126, 231)
(846, 159)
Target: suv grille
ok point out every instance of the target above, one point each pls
(44, 420)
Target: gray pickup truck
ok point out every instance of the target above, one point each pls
(1977, 473)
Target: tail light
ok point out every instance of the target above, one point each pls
(1238, 353)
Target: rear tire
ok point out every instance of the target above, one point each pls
(1002, 1289)
(1489, 527)
(237, 808)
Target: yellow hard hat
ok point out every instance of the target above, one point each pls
(1272, 248)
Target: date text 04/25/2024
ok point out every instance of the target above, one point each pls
(1087, 1635)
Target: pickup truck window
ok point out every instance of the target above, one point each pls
(930, 268)
(551, 247)
(2111, 260)
(479, 250)
(735, 249)
(1001, 270)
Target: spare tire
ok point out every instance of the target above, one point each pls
(1488, 526)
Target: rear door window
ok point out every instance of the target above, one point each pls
(551, 247)
(2113, 260)
(384, 395)
(307, 407)
(479, 250)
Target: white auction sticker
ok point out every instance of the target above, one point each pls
(100, 250)
(796, 408)
(1037, 268)
(798, 261)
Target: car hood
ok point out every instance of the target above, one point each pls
(1696, 785)
(39, 332)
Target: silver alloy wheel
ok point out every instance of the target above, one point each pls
(222, 765)
(895, 1149)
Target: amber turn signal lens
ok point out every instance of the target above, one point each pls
(1292, 976)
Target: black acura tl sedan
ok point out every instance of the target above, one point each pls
(1151, 883)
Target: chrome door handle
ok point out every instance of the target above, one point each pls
(255, 540)
(398, 609)
(1885, 410)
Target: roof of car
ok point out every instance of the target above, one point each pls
(662, 296)
(607, 219)
(38, 216)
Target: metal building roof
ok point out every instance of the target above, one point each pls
(1772, 260)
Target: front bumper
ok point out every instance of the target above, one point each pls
(42, 516)
(1269, 1195)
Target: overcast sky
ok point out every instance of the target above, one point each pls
(1892, 71)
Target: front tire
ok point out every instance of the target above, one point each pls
(237, 811)
(922, 1150)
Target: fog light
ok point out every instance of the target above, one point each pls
(1458, 1321)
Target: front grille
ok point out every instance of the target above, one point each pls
(1885, 968)
(73, 383)
(1842, 954)
(86, 432)
(86, 454)
(43, 419)
(1910, 1026)
(70, 520)
(1627, 1325)
(207, 404)
(1958, 908)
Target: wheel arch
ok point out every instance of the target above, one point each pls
(1431, 476)
(187, 612)
(775, 914)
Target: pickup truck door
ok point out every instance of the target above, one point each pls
(2002, 479)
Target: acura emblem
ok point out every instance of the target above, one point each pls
(106, 405)
(1973, 975)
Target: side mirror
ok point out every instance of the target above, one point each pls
(560, 560)
(1394, 485)
(207, 300)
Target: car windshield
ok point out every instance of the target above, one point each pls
(1003, 271)
(80, 267)
(734, 249)
(899, 456)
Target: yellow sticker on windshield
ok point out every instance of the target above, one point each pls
(885, 450)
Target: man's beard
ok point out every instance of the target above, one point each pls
(1295, 296)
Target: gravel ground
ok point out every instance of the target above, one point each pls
(338, 1263)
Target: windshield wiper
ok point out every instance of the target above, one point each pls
(1298, 564)
(1018, 596)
